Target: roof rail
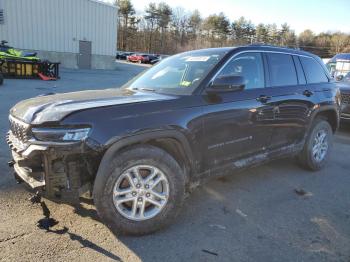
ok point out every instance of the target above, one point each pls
(276, 46)
(263, 44)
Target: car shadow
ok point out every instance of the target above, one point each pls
(85, 243)
(87, 212)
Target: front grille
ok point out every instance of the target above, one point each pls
(19, 129)
(345, 98)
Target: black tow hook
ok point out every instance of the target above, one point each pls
(35, 199)
(11, 163)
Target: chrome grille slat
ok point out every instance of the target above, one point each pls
(19, 130)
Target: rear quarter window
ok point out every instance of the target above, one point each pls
(313, 71)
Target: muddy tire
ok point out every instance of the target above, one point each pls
(318, 145)
(140, 191)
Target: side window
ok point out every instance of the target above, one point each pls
(282, 70)
(248, 65)
(313, 71)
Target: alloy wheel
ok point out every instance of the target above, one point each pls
(141, 192)
(320, 145)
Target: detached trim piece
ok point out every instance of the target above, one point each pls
(31, 181)
(345, 116)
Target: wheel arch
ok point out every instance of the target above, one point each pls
(330, 114)
(171, 141)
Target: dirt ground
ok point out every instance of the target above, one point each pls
(275, 212)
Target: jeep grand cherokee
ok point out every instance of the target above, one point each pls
(137, 150)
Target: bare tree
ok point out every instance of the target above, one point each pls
(162, 29)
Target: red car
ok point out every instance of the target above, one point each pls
(139, 58)
(142, 58)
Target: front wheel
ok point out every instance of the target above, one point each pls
(141, 192)
(318, 145)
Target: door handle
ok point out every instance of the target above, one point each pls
(308, 93)
(263, 98)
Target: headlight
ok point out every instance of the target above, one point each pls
(60, 134)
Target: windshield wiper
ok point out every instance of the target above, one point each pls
(143, 89)
(147, 89)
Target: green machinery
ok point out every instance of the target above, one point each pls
(18, 64)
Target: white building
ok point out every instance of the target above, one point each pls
(77, 33)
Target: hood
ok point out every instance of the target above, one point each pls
(55, 107)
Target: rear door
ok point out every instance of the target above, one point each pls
(317, 82)
(289, 101)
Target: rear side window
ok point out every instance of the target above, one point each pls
(313, 71)
(282, 70)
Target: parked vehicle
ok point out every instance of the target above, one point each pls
(8, 52)
(158, 59)
(344, 78)
(152, 59)
(141, 58)
(344, 83)
(138, 150)
(339, 65)
(18, 64)
(345, 97)
(122, 55)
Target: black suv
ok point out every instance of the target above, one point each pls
(137, 150)
(344, 86)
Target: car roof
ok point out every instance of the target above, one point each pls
(260, 47)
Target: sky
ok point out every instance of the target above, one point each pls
(317, 15)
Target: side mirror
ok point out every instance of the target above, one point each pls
(227, 84)
(339, 77)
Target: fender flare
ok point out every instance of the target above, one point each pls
(115, 145)
(331, 108)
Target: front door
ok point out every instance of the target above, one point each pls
(234, 122)
(84, 57)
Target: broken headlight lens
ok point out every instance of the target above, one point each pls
(60, 134)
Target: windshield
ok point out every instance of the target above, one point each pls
(179, 74)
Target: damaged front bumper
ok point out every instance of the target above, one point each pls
(62, 171)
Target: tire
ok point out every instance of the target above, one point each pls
(307, 158)
(107, 181)
(1, 79)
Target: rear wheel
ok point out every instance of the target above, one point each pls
(318, 145)
(142, 191)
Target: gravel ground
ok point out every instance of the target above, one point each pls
(254, 215)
